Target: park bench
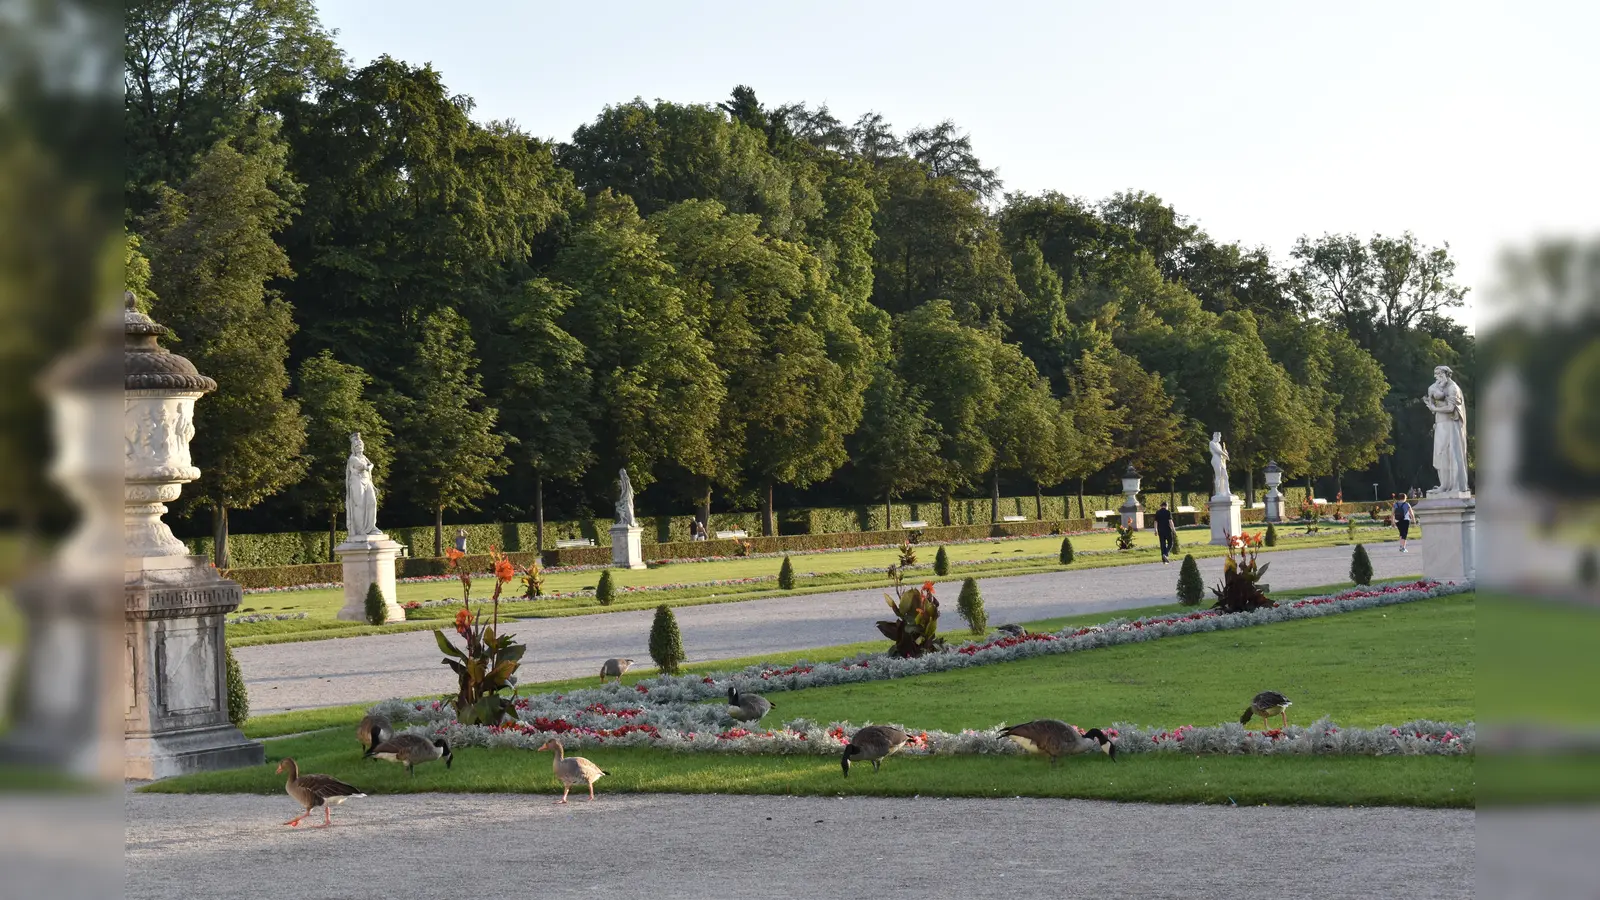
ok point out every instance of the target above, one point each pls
(1258, 505)
(1185, 509)
(1013, 518)
(918, 523)
(1318, 501)
(574, 542)
(736, 533)
(1101, 514)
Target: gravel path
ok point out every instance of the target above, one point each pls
(356, 670)
(664, 846)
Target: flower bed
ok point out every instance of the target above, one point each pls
(678, 717)
(266, 617)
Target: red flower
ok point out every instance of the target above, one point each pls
(452, 555)
(503, 569)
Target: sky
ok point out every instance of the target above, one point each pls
(1467, 123)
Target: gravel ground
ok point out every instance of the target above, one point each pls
(285, 677)
(664, 846)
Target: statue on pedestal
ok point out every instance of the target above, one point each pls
(624, 499)
(1444, 399)
(1219, 467)
(360, 494)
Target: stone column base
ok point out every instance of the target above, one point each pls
(1225, 519)
(1131, 517)
(369, 559)
(627, 547)
(1274, 511)
(153, 756)
(1448, 523)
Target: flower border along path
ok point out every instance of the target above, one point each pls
(671, 712)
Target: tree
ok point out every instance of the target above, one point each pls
(1577, 423)
(1360, 566)
(895, 449)
(1331, 278)
(666, 645)
(1040, 322)
(1152, 436)
(1095, 420)
(1411, 282)
(332, 396)
(1066, 551)
(786, 574)
(1361, 425)
(447, 447)
(970, 605)
(960, 389)
(212, 254)
(605, 590)
(1191, 590)
(947, 153)
(1025, 421)
(1155, 226)
(941, 562)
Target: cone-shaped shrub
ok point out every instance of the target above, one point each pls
(1588, 568)
(1272, 536)
(238, 697)
(1066, 551)
(941, 563)
(1191, 590)
(606, 590)
(970, 606)
(786, 575)
(377, 611)
(1360, 566)
(666, 645)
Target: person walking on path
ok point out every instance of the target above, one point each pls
(1402, 520)
(1164, 532)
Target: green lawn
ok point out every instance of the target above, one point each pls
(1363, 668)
(832, 572)
(1540, 663)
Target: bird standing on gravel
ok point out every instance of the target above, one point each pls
(312, 791)
(614, 668)
(872, 744)
(373, 731)
(1267, 704)
(571, 770)
(412, 749)
(747, 707)
(1055, 739)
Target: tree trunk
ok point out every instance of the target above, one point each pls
(1082, 513)
(888, 510)
(333, 531)
(768, 527)
(1172, 494)
(219, 536)
(438, 531)
(703, 513)
(1250, 487)
(944, 509)
(538, 515)
(1038, 501)
(994, 495)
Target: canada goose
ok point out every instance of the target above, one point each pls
(571, 770)
(872, 744)
(1055, 739)
(311, 791)
(1265, 705)
(747, 707)
(373, 731)
(614, 668)
(1012, 630)
(412, 749)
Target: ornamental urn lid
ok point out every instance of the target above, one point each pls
(149, 366)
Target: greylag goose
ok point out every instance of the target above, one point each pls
(872, 744)
(312, 791)
(747, 707)
(614, 668)
(1267, 704)
(412, 749)
(1055, 739)
(373, 731)
(571, 770)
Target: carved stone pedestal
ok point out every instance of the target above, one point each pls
(1449, 521)
(627, 547)
(1225, 519)
(177, 696)
(369, 559)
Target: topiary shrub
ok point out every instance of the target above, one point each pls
(606, 590)
(1588, 568)
(1191, 589)
(1272, 536)
(941, 563)
(786, 575)
(1066, 551)
(1360, 566)
(238, 697)
(666, 645)
(970, 606)
(377, 611)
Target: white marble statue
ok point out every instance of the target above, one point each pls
(1449, 408)
(624, 499)
(360, 495)
(1219, 467)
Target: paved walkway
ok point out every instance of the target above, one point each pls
(367, 669)
(229, 847)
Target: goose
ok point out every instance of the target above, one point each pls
(571, 770)
(412, 749)
(747, 707)
(872, 744)
(312, 791)
(1055, 739)
(614, 668)
(373, 731)
(1012, 630)
(1267, 704)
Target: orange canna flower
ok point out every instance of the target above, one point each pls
(927, 586)
(453, 554)
(503, 569)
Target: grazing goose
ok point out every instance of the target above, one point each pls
(312, 791)
(412, 749)
(1055, 739)
(747, 707)
(571, 770)
(614, 668)
(1267, 704)
(373, 731)
(872, 744)
(1012, 630)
